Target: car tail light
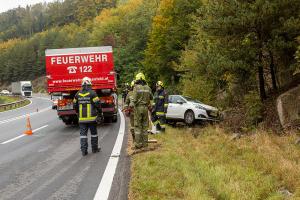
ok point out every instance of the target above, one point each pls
(65, 104)
(62, 102)
(107, 100)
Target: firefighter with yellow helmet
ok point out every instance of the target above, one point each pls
(160, 107)
(88, 107)
(141, 98)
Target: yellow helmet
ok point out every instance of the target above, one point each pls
(160, 83)
(140, 76)
(132, 83)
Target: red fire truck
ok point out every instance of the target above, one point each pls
(65, 69)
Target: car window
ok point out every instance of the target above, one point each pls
(191, 100)
(174, 99)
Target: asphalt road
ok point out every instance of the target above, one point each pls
(49, 165)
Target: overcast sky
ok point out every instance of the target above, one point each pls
(9, 4)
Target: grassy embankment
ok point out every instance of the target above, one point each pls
(9, 99)
(212, 166)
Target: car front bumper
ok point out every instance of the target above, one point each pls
(207, 115)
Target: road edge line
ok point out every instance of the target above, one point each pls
(104, 187)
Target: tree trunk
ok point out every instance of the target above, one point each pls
(272, 70)
(261, 79)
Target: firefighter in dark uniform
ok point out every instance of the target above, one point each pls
(160, 107)
(88, 107)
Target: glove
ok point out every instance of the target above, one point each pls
(128, 111)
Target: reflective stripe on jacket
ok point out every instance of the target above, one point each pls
(160, 102)
(89, 105)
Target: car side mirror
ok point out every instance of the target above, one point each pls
(179, 102)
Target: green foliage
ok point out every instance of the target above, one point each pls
(24, 22)
(253, 108)
(240, 46)
(25, 59)
(169, 34)
(297, 65)
(198, 87)
(215, 51)
(126, 29)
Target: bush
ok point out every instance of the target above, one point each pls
(199, 88)
(254, 108)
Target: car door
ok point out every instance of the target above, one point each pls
(176, 110)
(171, 106)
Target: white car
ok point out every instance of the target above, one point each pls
(4, 92)
(182, 108)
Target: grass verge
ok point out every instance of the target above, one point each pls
(8, 99)
(212, 166)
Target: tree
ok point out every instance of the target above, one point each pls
(169, 34)
(249, 36)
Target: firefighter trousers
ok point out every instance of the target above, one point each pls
(159, 120)
(141, 123)
(132, 125)
(84, 127)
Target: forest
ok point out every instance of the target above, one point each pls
(227, 53)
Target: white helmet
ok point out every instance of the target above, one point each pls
(86, 81)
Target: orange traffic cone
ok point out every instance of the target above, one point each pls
(28, 127)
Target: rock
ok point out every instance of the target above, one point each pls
(285, 192)
(236, 136)
(288, 107)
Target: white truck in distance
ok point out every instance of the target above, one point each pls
(23, 88)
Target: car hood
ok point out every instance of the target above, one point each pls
(207, 107)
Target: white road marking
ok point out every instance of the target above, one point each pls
(11, 140)
(23, 116)
(20, 136)
(110, 170)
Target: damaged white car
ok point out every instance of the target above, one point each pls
(188, 110)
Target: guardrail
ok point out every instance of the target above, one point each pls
(10, 106)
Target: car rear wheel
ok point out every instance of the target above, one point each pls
(189, 117)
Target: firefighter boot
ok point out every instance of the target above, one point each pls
(96, 150)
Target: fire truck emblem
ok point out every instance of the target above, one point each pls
(72, 69)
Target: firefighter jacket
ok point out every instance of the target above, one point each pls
(160, 104)
(87, 103)
(141, 96)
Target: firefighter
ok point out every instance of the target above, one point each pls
(160, 107)
(128, 111)
(125, 92)
(141, 98)
(88, 107)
